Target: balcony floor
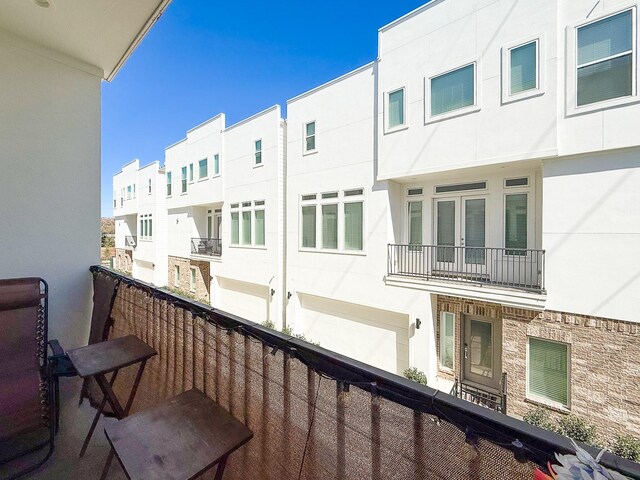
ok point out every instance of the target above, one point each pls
(74, 423)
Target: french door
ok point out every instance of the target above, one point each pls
(482, 351)
(460, 233)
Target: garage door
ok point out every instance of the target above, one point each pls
(143, 271)
(374, 336)
(247, 300)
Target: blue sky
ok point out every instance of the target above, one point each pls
(202, 58)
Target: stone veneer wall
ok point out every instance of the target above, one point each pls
(124, 261)
(604, 361)
(203, 273)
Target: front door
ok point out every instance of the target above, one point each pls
(482, 351)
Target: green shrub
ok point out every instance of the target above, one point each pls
(416, 375)
(182, 293)
(539, 417)
(626, 446)
(269, 324)
(575, 427)
(289, 331)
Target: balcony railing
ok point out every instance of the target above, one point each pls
(210, 247)
(484, 398)
(131, 241)
(314, 413)
(503, 267)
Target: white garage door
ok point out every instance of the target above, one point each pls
(374, 336)
(143, 271)
(247, 300)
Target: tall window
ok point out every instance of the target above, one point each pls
(168, 184)
(515, 224)
(310, 137)
(447, 328)
(216, 164)
(146, 227)
(523, 68)
(134, 190)
(259, 226)
(202, 168)
(184, 180)
(353, 225)
(453, 90)
(415, 223)
(246, 228)
(309, 226)
(176, 276)
(149, 187)
(395, 107)
(548, 371)
(257, 145)
(128, 192)
(605, 59)
(235, 228)
(193, 275)
(191, 172)
(330, 226)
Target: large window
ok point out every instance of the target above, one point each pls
(395, 108)
(146, 227)
(310, 137)
(248, 223)
(515, 224)
(183, 182)
(257, 152)
(523, 68)
(454, 90)
(548, 371)
(203, 168)
(605, 59)
(168, 184)
(447, 329)
(333, 220)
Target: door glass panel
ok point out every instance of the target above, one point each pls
(474, 230)
(415, 223)
(481, 348)
(446, 230)
(209, 227)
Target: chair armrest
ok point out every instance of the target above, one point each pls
(56, 349)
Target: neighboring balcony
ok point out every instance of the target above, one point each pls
(130, 241)
(520, 269)
(207, 247)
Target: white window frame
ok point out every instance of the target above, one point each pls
(256, 151)
(184, 180)
(305, 137)
(146, 224)
(169, 185)
(529, 190)
(216, 163)
(475, 107)
(507, 96)
(191, 173)
(251, 207)
(193, 278)
(571, 97)
(149, 187)
(440, 365)
(545, 401)
(404, 125)
(128, 192)
(206, 176)
(340, 201)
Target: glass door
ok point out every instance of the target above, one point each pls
(474, 226)
(482, 351)
(447, 229)
(218, 226)
(209, 225)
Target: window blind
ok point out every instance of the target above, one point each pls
(353, 234)
(524, 68)
(216, 164)
(453, 90)
(548, 370)
(515, 226)
(446, 218)
(246, 228)
(203, 168)
(446, 339)
(309, 226)
(474, 231)
(330, 226)
(415, 223)
(605, 50)
(235, 228)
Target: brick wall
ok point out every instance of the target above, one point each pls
(604, 360)
(184, 282)
(124, 261)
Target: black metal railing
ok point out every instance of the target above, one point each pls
(211, 247)
(505, 267)
(131, 241)
(472, 393)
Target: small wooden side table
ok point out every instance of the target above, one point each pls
(178, 440)
(99, 359)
